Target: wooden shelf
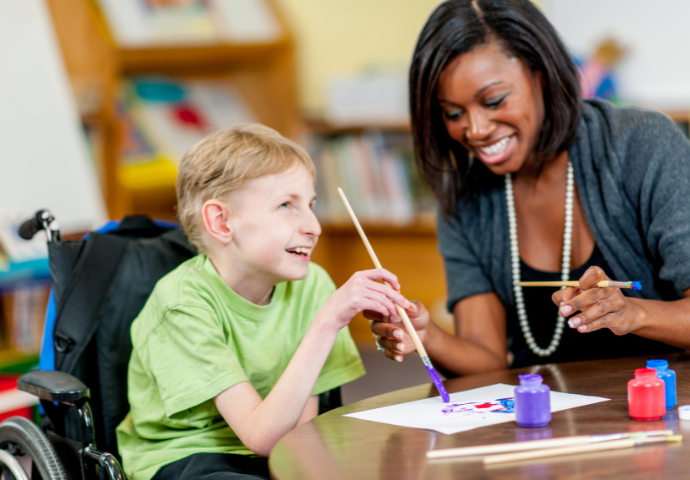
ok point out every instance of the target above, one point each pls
(425, 226)
(321, 126)
(211, 58)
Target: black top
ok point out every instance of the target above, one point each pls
(574, 346)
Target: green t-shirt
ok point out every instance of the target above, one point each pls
(196, 337)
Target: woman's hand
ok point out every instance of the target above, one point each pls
(598, 307)
(364, 292)
(390, 333)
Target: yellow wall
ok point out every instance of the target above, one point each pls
(340, 37)
(336, 37)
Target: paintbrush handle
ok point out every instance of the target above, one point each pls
(555, 452)
(540, 444)
(508, 447)
(575, 283)
(401, 311)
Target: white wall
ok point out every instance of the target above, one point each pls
(44, 161)
(656, 71)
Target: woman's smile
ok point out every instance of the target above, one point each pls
(496, 152)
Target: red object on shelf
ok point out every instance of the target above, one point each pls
(646, 396)
(14, 403)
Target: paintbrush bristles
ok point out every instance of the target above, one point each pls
(401, 311)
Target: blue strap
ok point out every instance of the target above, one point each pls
(47, 358)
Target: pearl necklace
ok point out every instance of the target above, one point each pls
(515, 258)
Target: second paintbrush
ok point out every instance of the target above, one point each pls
(575, 283)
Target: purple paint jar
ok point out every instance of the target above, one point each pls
(532, 402)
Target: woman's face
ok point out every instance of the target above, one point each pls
(493, 105)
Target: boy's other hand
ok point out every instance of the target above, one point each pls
(364, 292)
(390, 333)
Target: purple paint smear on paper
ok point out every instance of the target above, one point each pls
(439, 384)
(501, 405)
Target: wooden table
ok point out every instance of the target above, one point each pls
(334, 447)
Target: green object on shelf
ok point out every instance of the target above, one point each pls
(19, 364)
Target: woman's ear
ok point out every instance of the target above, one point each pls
(216, 215)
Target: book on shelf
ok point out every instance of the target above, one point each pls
(377, 173)
(24, 307)
(161, 118)
(161, 23)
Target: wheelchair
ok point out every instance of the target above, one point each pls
(99, 285)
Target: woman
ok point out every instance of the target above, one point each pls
(535, 184)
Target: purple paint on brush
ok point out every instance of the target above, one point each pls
(439, 384)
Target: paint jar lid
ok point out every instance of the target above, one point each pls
(684, 412)
(533, 378)
(645, 373)
(657, 364)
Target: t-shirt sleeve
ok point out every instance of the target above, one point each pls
(343, 364)
(190, 359)
(464, 275)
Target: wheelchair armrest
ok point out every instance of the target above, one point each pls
(53, 386)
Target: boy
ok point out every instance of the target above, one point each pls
(233, 347)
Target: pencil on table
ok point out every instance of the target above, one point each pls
(575, 283)
(403, 314)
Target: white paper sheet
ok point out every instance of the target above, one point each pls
(467, 410)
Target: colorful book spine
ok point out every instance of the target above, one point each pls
(376, 174)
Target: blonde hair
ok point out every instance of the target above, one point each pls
(220, 163)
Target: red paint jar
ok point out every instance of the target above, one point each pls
(646, 398)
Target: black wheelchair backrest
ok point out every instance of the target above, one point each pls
(100, 285)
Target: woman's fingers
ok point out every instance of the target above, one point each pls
(388, 330)
(561, 297)
(592, 308)
(398, 347)
(585, 300)
(591, 277)
(607, 313)
(571, 300)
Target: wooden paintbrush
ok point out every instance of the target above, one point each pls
(403, 314)
(571, 450)
(575, 283)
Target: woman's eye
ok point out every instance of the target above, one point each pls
(284, 205)
(452, 114)
(495, 102)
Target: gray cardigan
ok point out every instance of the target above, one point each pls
(632, 170)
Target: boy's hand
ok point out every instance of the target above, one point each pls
(390, 333)
(364, 292)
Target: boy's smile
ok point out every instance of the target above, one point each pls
(274, 230)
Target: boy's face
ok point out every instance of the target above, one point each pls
(274, 227)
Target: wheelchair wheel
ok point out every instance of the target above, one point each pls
(24, 440)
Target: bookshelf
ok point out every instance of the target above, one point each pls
(264, 74)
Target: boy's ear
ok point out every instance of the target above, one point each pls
(216, 215)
